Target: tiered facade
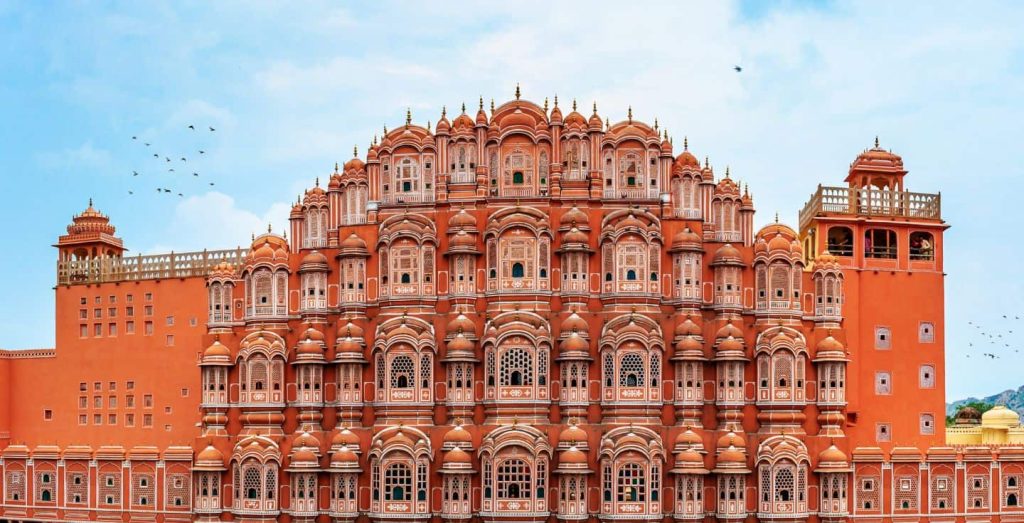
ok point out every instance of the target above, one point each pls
(517, 316)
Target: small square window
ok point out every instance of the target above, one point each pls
(97, 419)
(147, 420)
(129, 401)
(129, 311)
(149, 296)
(129, 298)
(112, 329)
(147, 401)
(112, 419)
(129, 327)
(167, 410)
(83, 402)
(170, 320)
(148, 328)
(97, 313)
(184, 393)
(82, 386)
(170, 340)
(883, 338)
(112, 312)
(97, 300)
(83, 419)
(883, 432)
(112, 298)
(83, 331)
(47, 415)
(83, 301)
(97, 330)
(83, 314)
(926, 332)
(129, 420)
(130, 385)
(96, 385)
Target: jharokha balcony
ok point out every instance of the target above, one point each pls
(871, 203)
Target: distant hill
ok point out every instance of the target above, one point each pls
(1013, 399)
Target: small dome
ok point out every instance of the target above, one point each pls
(312, 334)
(460, 344)
(731, 440)
(632, 438)
(306, 440)
(458, 435)
(574, 216)
(461, 323)
(345, 438)
(575, 118)
(689, 438)
(687, 159)
(575, 235)
(210, 456)
(732, 455)
(348, 344)
(574, 343)
(216, 350)
(353, 242)
(354, 165)
(572, 434)
(779, 243)
(730, 344)
(688, 344)
(572, 455)
(833, 456)
(400, 439)
(574, 323)
(686, 238)
(727, 254)
(351, 329)
(729, 330)
(344, 457)
(304, 457)
(1000, 416)
(968, 416)
(457, 455)
(689, 458)
(830, 344)
(463, 239)
(688, 328)
(461, 219)
(314, 258)
(309, 348)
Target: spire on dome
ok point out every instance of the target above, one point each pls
(492, 106)
(335, 167)
(556, 100)
(517, 90)
(876, 141)
(655, 124)
(595, 107)
(428, 126)
(355, 151)
(629, 114)
(408, 116)
(726, 171)
(573, 104)
(545, 104)
(686, 143)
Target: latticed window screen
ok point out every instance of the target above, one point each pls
(516, 367)
(251, 483)
(542, 367)
(45, 486)
(1013, 490)
(513, 479)
(942, 492)
(609, 369)
(398, 482)
(77, 488)
(655, 380)
(630, 483)
(977, 491)
(15, 486)
(631, 370)
(270, 481)
(110, 489)
(143, 489)
(906, 492)
(425, 371)
(403, 372)
(421, 481)
(178, 490)
(381, 371)
(867, 493)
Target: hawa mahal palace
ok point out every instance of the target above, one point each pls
(521, 315)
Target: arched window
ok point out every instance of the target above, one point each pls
(517, 270)
(880, 243)
(631, 370)
(398, 482)
(922, 246)
(631, 483)
(516, 367)
(513, 477)
(840, 241)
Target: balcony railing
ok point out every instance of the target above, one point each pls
(407, 198)
(632, 193)
(353, 219)
(148, 267)
(314, 243)
(871, 202)
(521, 192)
(463, 177)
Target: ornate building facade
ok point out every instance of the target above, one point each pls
(514, 316)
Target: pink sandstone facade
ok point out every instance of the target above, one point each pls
(517, 316)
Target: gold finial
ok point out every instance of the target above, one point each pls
(545, 104)
(463, 107)
(444, 111)
(385, 132)
(629, 114)
(707, 164)
(686, 143)
(492, 105)
(355, 151)
(607, 123)
(335, 167)
(375, 140)
(481, 102)
(876, 141)
(90, 201)
(269, 228)
(428, 126)
(655, 124)
(408, 116)
(318, 181)
(776, 216)
(556, 100)
(726, 171)
(517, 90)
(573, 104)
(595, 107)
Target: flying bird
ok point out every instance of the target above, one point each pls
(202, 151)
(134, 138)
(182, 195)
(170, 170)
(183, 159)
(737, 68)
(212, 129)
(211, 183)
(135, 173)
(147, 145)
(192, 127)
(156, 155)
(129, 192)
(195, 174)
(166, 158)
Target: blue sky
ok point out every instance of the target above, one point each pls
(291, 89)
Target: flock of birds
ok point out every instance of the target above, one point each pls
(162, 187)
(991, 338)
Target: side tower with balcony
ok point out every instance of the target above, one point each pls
(887, 242)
